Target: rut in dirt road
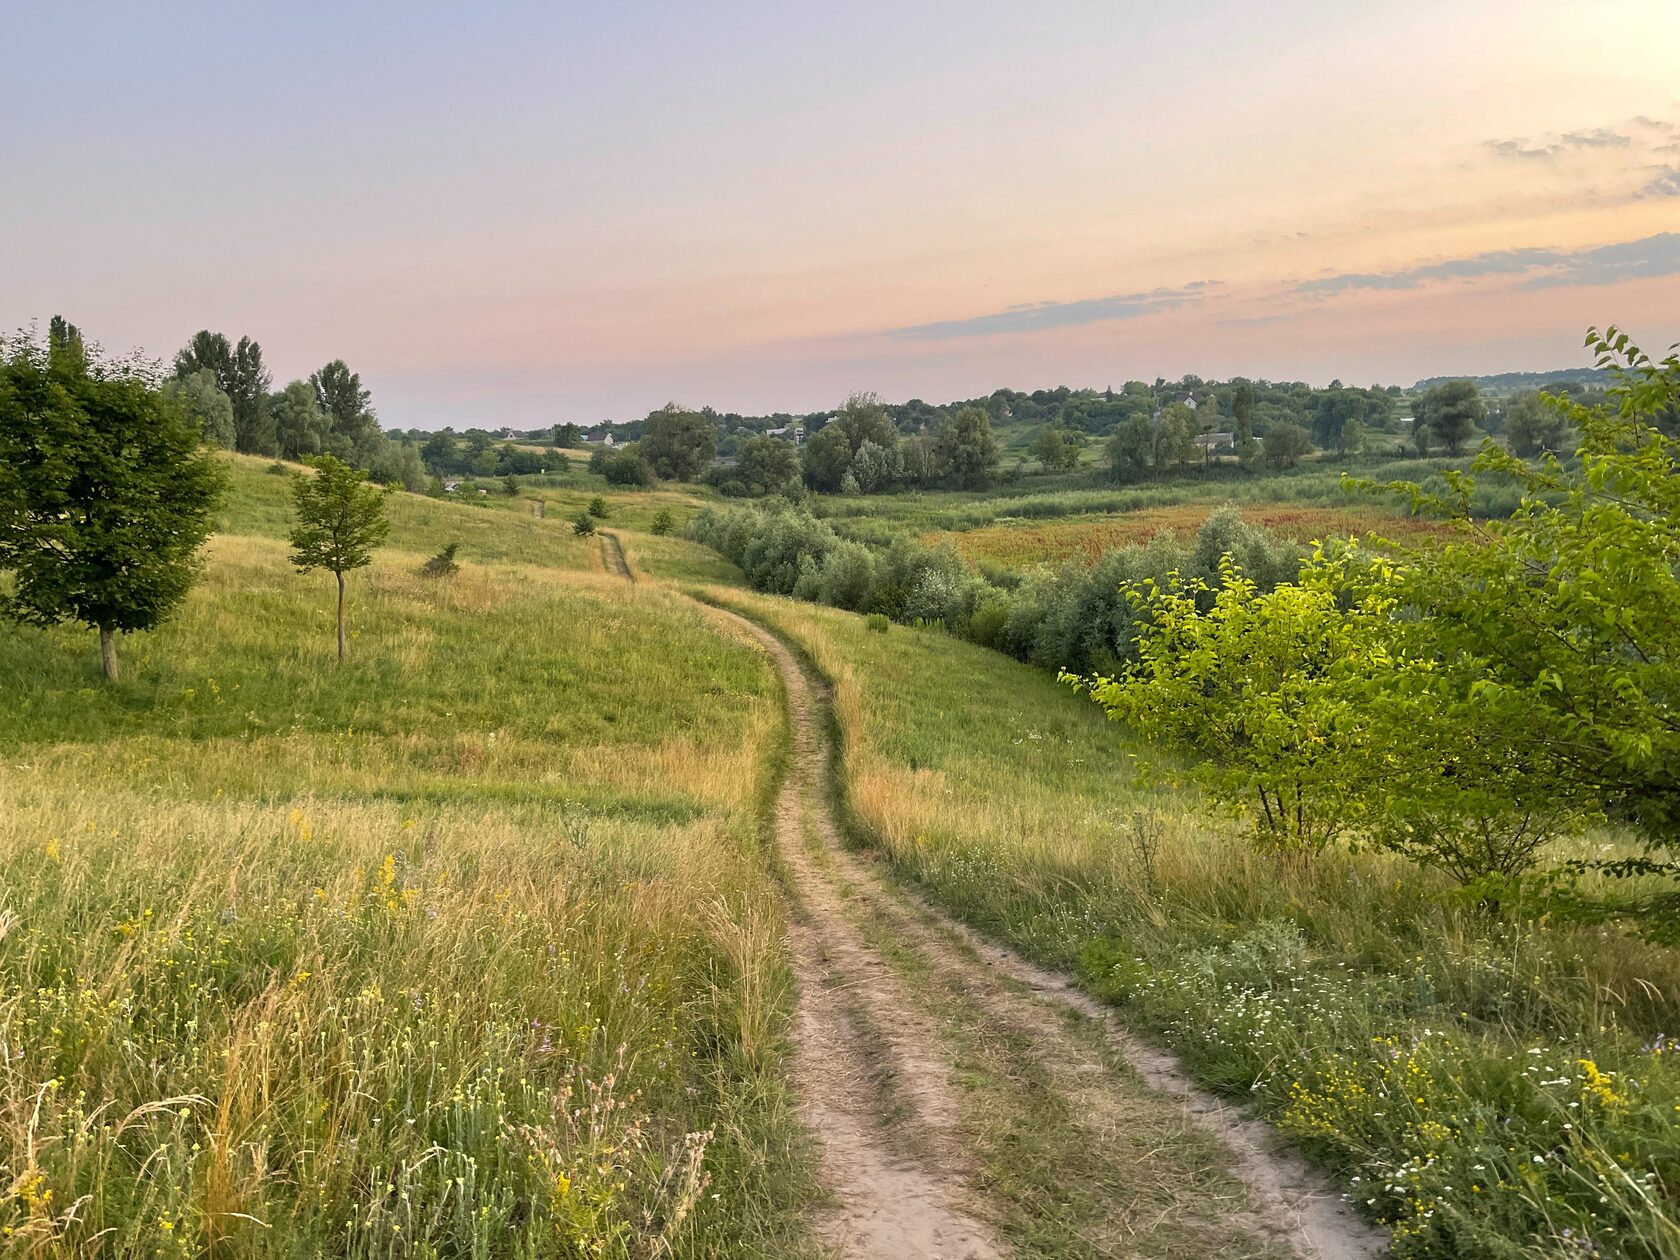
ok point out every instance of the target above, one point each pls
(889, 990)
(612, 555)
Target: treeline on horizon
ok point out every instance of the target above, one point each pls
(866, 445)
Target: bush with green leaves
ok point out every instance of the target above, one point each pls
(443, 564)
(584, 526)
(1072, 617)
(1253, 690)
(598, 508)
(664, 522)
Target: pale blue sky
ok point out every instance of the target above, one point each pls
(516, 213)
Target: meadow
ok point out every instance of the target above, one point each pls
(1485, 1086)
(1317, 485)
(1019, 543)
(467, 948)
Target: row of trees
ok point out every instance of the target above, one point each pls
(224, 386)
(858, 450)
(1461, 704)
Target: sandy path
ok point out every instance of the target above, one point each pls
(873, 1070)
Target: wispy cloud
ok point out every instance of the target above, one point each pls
(1038, 316)
(1665, 184)
(1504, 262)
(1597, 138)
(1657, 255)
(1521, 149)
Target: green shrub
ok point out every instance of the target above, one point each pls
(584, 525)
(877, 622)
(664, 522)
(443, 564)
(598, 508)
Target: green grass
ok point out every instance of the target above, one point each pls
(880, 518)
(1481, 1085)
(448, 951)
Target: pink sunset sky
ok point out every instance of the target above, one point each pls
(527, 213)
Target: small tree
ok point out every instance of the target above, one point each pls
(598, 508)
(1450, 412)
(105, 492)
(584, 526)
(340, 520)
(510, 486)
(664, 522)
(1254, 685)
(966, 450)
(1285, 444)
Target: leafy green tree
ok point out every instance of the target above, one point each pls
(1242, 415)
(348, 409)
(1056, 449)
(1130, 448)
(664, 522)
(105, 492)
(1450, 412)
(510, 485)
(568, 437)
(399, 464)
(766, 465)
(876, 468)
(300, 429)
(62, 335)
(340, 520)
(201, 398)
(1569, 612)
(677, 443)
(1532, 427)
(863, 418)
(1285, 445)
(240, 375)
(828, 458)
(966, 450)
(626, 467)
(1173, 444)
(208, 352)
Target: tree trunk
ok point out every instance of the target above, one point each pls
(108, 652)
(340, 577)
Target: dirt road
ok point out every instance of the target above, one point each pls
(929, 1062)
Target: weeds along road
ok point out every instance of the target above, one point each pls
(968, 1105)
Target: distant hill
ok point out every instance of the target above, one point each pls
(1501, 382)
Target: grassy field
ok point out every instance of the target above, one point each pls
(1085, 538)
(468, 948)
(1315, 485)
(1488, 1088)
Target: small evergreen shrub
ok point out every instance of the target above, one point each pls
(598, 509)
(443, 564)
(664, 522)
(584, 526)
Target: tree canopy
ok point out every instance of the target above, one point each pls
(105, 491)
